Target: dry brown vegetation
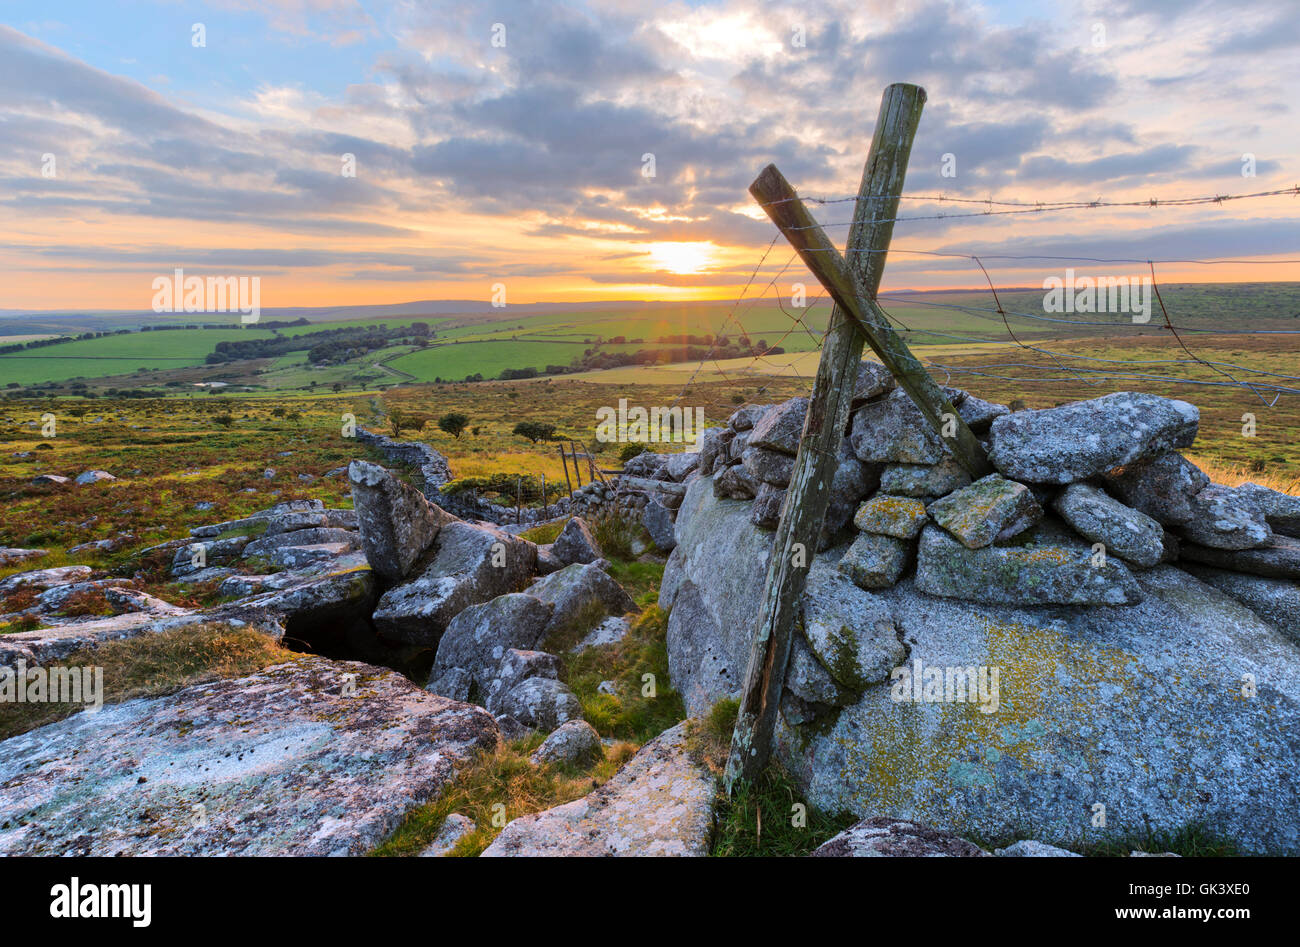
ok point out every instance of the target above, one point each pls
(151, 665)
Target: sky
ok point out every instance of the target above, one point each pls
(511, 143)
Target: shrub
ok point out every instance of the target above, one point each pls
(453, 424)
(535, 431)
(630, 451)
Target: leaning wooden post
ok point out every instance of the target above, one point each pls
(824, 261)
(804, 511)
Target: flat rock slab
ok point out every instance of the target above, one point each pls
(884, 515)
(46, 645)
(41, 579)
(1223, 518)
(1280, 559)
(277, 763)
(1100, 518)
(610, 631)
(780, 428)
(1139, 708)
(1161, 487)
(883, 837)
(991, 508)
(660, 803)
(295, 557)
(876, 562)
(11, 557)
(1047, 566)
(924, 480)
(267, 545)
(1086, 438)
(1277, 601)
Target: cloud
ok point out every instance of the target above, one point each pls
(542, 141)
(1159, 160)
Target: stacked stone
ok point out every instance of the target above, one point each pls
(659, 510)
(436, 473)
(753, 457)
(1084, 495)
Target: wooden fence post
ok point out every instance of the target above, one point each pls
(564, 460)
(804, 511)
(577, 471)
(821, 257)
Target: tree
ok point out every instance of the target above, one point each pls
(337, 386)
(535, 431)
(454, 424)
(399, 419)
(225, 420)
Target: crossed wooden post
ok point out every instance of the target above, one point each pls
(855, 319)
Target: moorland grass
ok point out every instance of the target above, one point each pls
(155, 664)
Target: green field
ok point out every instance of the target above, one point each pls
(118, 354)
(490, 358)
(486, 344)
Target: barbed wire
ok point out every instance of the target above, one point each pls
(1035, 205)
(1070, 366)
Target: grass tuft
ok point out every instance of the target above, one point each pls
(765, 819)
(498, 787)
(631, 713)
(544, 533)
(154, 664)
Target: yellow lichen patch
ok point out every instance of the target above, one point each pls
(1043, 554)
(897, 506)
(912, 757)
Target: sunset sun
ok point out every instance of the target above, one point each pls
(682, 258)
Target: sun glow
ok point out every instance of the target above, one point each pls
(683, 258)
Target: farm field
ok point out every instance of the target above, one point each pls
(118, 354)
(485, 344)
